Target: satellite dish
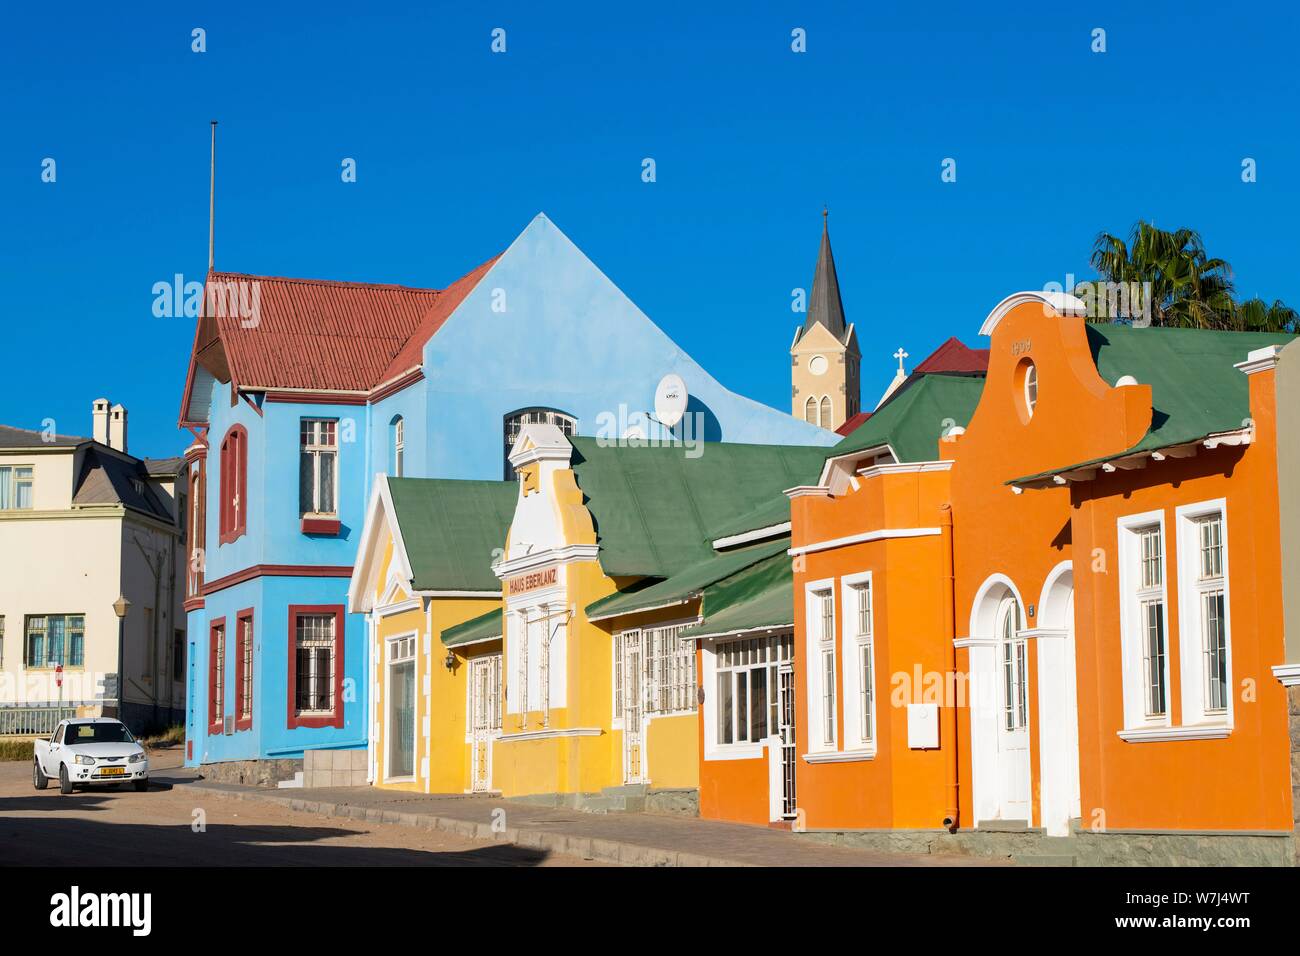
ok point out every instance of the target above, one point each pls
(670, 399)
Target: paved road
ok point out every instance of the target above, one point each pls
(157, 828)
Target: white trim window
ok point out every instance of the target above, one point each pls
(670, 671)
(748, 683)
(399, 446)
(1205, 646)
(15, 487)
(668, 679)
(1015, 668)
(858, 648)
(1031, 388)
(819, 601)
(1144, 620)
(318, 467)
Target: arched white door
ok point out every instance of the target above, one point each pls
(1014, 784)
(1058, 712)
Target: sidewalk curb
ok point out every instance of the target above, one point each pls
(589, 848)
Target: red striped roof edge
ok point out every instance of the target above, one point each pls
(853, 422)
(277, 332)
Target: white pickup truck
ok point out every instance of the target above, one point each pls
(90, 751)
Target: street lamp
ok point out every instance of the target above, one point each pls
(120, 607)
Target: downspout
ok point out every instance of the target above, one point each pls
(948, 711)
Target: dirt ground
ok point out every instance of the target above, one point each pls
(175, 825)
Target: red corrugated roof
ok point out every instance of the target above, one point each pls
(411, 353)
(953, 356)
(323, 335)
(853, 422)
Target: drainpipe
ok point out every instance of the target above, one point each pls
(948, 712)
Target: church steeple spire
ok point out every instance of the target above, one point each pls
(824, 305)
(824, 357)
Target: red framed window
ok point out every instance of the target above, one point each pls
(198, 532)
(316, 665)
(234, 484)
(244, 669)
(216, 674)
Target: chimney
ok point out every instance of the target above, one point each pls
(99, 417)
(117, 428)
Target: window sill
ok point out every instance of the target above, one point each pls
(320, 525)
(230, 537)
(1140, 735)
(735, 752)
(841, 756)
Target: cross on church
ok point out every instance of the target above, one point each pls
(900, 355)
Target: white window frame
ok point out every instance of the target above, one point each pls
(1191, 652)
(318, 450)
(399, 448)
(495, 663)
(685, 671)
(12, 479)
(816, 644)
(1132, 627)
(317, 642)
(1031, 385)
(749, 749)
(852, 586)
(398, 649)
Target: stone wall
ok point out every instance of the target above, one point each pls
(1081, 848)
(251, 773)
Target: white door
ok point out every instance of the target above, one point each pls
(485, 717)
(1013, 724)
(785, 728)
(633, 712)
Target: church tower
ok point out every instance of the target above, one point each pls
(824, 357)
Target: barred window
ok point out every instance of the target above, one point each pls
(54, 639)
(515, 421)
(217, 663)
(670, 671)
(314, 639)
(747, 687)
(244, 711)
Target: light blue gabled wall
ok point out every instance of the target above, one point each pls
(567, 339)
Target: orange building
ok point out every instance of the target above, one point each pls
(1061, 620)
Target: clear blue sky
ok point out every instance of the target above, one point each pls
(457, 148)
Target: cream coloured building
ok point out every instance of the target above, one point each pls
(82, 524)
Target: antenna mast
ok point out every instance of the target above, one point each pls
(212, 196)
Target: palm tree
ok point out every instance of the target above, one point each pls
(1172, 280)
(1256, 315)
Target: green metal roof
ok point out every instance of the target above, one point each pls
(485, 627)
(657, 510)
(688, 582)
(915, 417)
(774, 511)
(452, 528)
(1195, 389)
(757, 598)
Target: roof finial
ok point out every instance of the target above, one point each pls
(825, 212)
(900, 355)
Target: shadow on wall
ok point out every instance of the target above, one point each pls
(701, 413)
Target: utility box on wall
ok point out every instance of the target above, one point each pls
(923, 726)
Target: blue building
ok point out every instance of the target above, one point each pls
(300, 391)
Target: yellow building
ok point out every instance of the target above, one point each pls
(569, 683)
(424, 566)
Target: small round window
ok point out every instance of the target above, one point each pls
(818, 365)
(1031, 387)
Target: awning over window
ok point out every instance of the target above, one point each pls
(485, 627)
(758, 598)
